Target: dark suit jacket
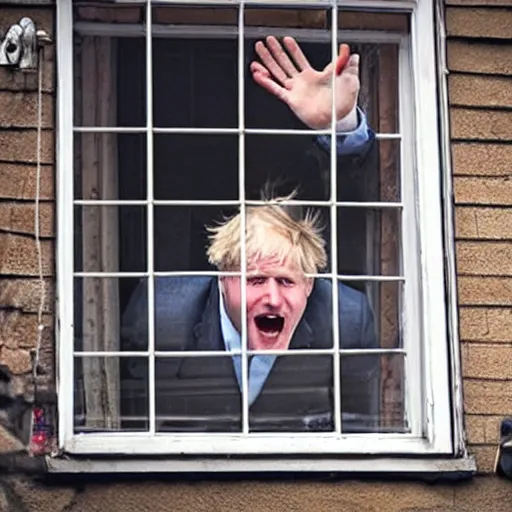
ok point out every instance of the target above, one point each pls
(202, 394)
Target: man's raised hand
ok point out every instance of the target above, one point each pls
(305, 90)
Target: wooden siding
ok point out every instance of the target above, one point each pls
(480, 95)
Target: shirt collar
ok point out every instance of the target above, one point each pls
(232, 338)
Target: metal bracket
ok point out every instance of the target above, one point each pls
(19, 47)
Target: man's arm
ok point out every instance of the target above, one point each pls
(354, 136)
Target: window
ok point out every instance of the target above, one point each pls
(163, 131)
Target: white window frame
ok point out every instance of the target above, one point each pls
(429, 403)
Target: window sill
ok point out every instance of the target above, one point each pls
(438, 468)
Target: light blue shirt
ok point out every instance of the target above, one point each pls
(259, 366)
(348, 143)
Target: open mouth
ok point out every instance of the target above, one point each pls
(270, 325)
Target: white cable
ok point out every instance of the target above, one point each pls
(42, 293)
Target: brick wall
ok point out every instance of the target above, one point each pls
(480, 94)
(20, 289)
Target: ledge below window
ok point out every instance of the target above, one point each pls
(421, 468)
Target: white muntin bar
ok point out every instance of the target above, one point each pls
(386, 4)
(229, 353)
(109, 129)
(241, 184)
(217, 273)
(306, 35)
(334, 232)
(234, 202)
(150, 219)
(217, 131)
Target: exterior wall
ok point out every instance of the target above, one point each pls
(480, 97)
(480, 93)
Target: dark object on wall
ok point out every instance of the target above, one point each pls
(504, 455)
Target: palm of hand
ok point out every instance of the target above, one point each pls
(305, 90)
(310, 96)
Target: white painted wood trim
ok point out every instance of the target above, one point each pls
(465, 467)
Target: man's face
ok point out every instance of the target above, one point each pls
(277, 294)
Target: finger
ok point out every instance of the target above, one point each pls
(269, 62)
(271, 86)
(256, 67)
(281, 56)
(353, 64)
(343, 58)
(296, 52)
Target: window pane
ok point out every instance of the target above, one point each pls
(297, 396)
(181, 236)
(110, 314)
(369, 241)
(195, 167)
(287, 163)
(111, 394)
(197, 394)
(373, 393)
(110, 73)
(110, 166)
(374, 307)
(110, 239)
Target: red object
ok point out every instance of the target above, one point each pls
(342, 58)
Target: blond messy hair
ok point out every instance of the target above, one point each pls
(271, 232)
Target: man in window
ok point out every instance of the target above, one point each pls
(285, 309)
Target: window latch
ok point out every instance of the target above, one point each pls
(18, 49)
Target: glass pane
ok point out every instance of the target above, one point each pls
(110, 166)
(369, 241)
(110, 314)
(379, 21)
(197, 394)
(110, 72)
(195, 75)
(181, 236)
(296, 396)
(287, 163)
(373, 394)
(110, 238)
(111, 394)
(370, 313)
(110, 78)
(196, 167)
